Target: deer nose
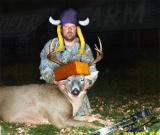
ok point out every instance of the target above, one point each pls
(75, 92)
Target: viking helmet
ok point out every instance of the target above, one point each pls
(70, 16)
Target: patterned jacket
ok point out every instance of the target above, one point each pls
(69, 54)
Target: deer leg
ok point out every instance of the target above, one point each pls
(62, 121)
(76, 123)
(91, 118)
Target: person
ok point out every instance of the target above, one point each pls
(69, 45)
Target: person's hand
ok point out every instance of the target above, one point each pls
(87, 84)
(60, 85)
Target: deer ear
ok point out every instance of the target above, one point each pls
(61, 85)
(87, 84)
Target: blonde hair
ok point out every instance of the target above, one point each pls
(61, 40)
(82, 41)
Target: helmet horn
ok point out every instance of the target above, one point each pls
(54, 22)
(84, 22)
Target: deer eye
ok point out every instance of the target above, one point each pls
(82, 80)
(69, 80)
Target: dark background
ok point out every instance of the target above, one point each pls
(129, 29)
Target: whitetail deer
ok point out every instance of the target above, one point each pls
(41, 103)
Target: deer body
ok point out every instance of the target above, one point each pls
(40, 103)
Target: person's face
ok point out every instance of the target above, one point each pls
(69, 31)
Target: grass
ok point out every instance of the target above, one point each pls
(116, 94)
(43, 129)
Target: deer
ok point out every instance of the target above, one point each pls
(45, 103)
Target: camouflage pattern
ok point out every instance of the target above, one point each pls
(69, 54)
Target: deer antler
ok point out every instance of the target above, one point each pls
(99, 52)
(52, 56)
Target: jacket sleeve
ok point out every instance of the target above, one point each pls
(46, 66)
(88, 57)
